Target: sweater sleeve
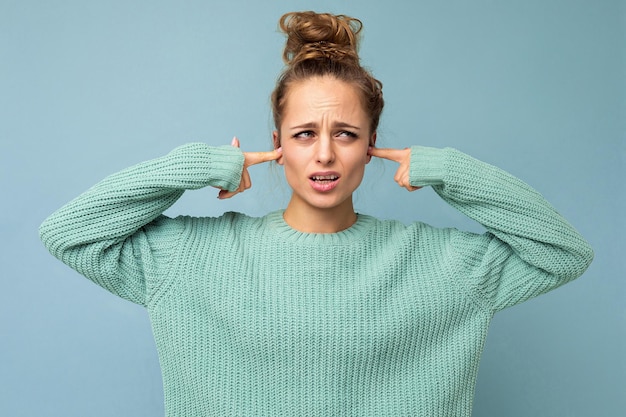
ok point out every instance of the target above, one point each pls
(115, 233)
(528, 248)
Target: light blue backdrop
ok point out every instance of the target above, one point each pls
(536, 87)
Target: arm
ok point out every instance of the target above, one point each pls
(114, 232)
(528, 249)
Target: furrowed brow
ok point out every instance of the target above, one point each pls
(346, 125)
(313, 125)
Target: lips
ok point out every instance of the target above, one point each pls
(324, 181)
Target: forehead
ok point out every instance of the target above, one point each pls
(324, 97)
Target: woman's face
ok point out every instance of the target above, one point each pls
(324, 136)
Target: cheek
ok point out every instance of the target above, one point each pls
(356, 165)
(292, 164)
(362, 158)
(297, 156)
(288, 158)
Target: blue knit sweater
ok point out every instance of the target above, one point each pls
(253, 318)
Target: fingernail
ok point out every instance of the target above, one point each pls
(279, 149)
(234, 141)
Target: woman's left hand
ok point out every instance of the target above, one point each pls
(402, 157)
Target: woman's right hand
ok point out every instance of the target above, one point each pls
(250, 158)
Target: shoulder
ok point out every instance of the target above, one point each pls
(230, 220)
(424, 241)
(395, 227)
(417, 235)
(227, 222)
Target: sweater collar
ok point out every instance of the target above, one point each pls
(354, 233)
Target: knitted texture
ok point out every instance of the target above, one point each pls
(253, 318)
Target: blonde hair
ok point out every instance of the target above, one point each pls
(323, 44)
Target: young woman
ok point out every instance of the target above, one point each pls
(316, 310)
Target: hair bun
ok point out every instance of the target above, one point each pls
(313, 35)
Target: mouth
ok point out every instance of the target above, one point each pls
(324, 178)
(324, 182)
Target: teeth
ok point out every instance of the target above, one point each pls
(324, 177)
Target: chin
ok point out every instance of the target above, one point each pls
(331, 203)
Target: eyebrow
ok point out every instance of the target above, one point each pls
(313, 125)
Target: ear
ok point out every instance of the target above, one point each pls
(276, 141)
(372, 143)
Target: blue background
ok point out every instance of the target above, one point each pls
(536, 87)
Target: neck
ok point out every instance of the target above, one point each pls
(319, 220)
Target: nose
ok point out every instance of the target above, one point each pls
(325, 150)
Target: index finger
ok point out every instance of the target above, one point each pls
(387, 153)
(253, 158)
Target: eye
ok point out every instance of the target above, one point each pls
(305, 134)
(346, 134)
